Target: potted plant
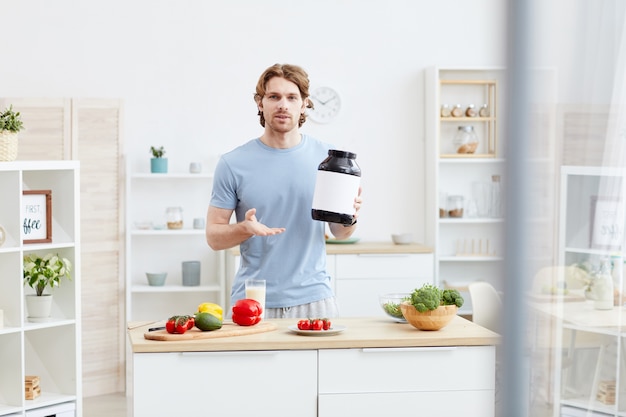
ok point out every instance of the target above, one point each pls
(39, 273)
(431, 308)
(158, 164)
(10, 125)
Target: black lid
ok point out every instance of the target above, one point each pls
(341, 154)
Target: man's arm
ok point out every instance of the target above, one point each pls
(221, 234)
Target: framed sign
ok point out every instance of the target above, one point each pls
(606, 223)
(37, 216)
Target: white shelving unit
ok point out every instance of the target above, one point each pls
(50, 350)
(469, 247)
(151, 247)
(594, 338)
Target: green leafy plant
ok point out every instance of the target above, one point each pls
(157, 152)
(429, 297)
(10, 120)
(41, 272)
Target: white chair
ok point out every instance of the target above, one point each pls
(486, 305)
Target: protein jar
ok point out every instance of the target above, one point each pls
(336, 186)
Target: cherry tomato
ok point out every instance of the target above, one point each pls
(191, 323)
(170, 326)
(326, 323)
(304, 324)
(317, 324)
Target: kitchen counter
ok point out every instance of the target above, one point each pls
(359, 333)
(366, 248)
(368, 370)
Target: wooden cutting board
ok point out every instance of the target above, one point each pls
(228, 329)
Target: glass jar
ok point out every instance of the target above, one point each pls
(465, 140)
(471, 111)
(455, 206)
(336, 185)
(457, 111)
(445, 110)
(496, 197)
(174, 217)
(443, 203)
(603, 287)
(484, 111)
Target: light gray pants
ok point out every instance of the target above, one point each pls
(326, 308)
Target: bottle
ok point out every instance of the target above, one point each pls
(465, 140)
(496, 197)
(617, 266)
(603, 287)
(336, 186)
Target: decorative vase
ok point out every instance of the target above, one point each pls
(39, 307)
(428, 320)
(8, 145)
(158, 165)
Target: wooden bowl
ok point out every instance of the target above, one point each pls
(428, 320)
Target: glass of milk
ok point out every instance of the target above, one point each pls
(255, 289)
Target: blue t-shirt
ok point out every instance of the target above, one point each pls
(279, 183)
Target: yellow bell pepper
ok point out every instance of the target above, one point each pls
(211, 308)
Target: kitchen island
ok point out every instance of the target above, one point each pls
(374, 367)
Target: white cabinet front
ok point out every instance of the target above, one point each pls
(360, 279)
(445, 381)
(234, 384)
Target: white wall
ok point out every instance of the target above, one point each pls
(187, 69)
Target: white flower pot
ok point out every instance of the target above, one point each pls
(38, 307)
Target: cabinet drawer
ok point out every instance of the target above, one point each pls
(384, 265)
(359, 297)
(431, 404)
(216, 382)
(345, 371)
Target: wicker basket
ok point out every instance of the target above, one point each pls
(429, 320)
(8, 145)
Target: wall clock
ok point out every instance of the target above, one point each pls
(327, 105)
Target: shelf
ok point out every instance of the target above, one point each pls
(454, 258)
(166, 232)
(152, 247)
(49, 349)
(469, 220)
(172, 175)
(47, 399)
(145, 288)
(478, 159)
(452, 174)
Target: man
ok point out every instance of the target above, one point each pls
(269, 183)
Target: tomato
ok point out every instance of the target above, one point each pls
(304, 325)
(326, 324)
(178, 324)
(181, 326)
(317, 324)
(170, 326)
(191, 323)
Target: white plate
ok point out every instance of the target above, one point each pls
(332, 331)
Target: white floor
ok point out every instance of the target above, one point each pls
(112, 405)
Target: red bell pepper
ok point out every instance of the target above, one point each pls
(247, 312)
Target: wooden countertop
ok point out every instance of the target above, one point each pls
(368, 248)
(359, 333)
